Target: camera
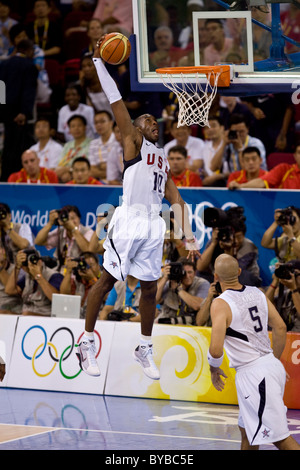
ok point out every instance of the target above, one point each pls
(63, 216)
(177, 272)
(286, 217)
(33, 257)
(225, 221)
(232, 135)
(3, 212)
(81, 263)
(285, 270)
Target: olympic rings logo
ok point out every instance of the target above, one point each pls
(53, 352)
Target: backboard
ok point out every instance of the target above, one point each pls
(182, 33)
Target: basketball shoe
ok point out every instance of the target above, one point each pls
(144, 355)
(86, 353)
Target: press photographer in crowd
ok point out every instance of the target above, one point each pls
(35, 280)
(287, 245)
(80, 274)
(9, 304)
(13, 236)
(284, 292)
(180, 293)
(69, 237)
(228, 236)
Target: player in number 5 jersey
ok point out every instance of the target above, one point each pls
(240, 319)
(135, 234)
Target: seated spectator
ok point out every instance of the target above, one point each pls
(115, 16)
(114, 164)
(236, 139)
(73, 107)
(194, 145)
(69, 238)
(94, 32)
(166, 54)
(231, 105)
(285, 295)
(124, 298)
(287, 245)
(102, 147)
(181, 175)
(13, 236)
(220, 46)
(282, 176)
(80, 275)
(181, 298)
(44, 32)
(47, 149)
(251, 164)
(78, 147)
(9, 304)
(214, 135)
(32, 172)
(36, 283)
(6, 22)
(81, 172)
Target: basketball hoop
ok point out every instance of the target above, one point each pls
(195, 99)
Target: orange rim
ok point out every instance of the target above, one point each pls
(208, 70)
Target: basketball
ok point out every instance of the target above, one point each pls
(115, 48)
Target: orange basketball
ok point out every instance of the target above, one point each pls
(115, 48)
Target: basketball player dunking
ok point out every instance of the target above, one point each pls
(240, 319)
(135, 234)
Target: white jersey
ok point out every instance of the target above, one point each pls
(145, 178)
(247, 336)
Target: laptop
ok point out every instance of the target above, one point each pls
(65, 306)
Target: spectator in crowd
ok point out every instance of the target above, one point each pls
(94, 32)
(69, 238)
(181, 297)
(44, 32)
(92, 92)
(174, 245)
(47, 149)
(236, 139)
(282, 176)
(220, 46)
(166, 54)
(115, 16)
(287, 245)
(231, 105)
(81, 172)
(181, 175)
(73, 107)
(214, 135)
(114, 164)
(78, 147)
(20, 77)
(123, 298)
(35, 283)
(32, 172)
(284, 293)
(6, 22)
(203, 314)
(13, 236)
(251, 168)
(194, 145)
(9, 304)
(80, 274)
(101, 148)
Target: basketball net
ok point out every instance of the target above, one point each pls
(194, 98)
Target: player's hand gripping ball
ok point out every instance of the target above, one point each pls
(114, 48)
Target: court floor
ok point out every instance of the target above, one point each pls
(40, 420)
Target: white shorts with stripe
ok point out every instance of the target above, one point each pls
(134, 244)
(260, 389)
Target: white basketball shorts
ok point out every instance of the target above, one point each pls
(260, 389)
(134, 244)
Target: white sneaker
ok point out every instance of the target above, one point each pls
(86, 353)
(144, 355)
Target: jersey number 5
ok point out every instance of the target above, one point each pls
(255, 318)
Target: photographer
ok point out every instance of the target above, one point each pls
(287, 245)
(80, 274)
(70, 237)
(181, 293)
(8, 304)
(203, 314)
(228, 236)
(284, 293)
(34, 282)
(13, 236)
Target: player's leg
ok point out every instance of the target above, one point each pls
(147, 306)
(287, 444)
(244, 442)
(86, 351)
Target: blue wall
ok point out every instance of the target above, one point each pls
(32, 203)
